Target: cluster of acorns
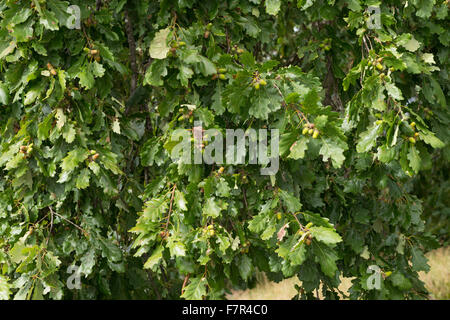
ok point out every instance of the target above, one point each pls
(93, 155)
(309, 129)
(174, 46)
(377, 63)
(51, 69)
(164, 234)
(236, 49)
(326, 44)
(309, 236)
(414, 138)
(257, 82)
(245, 247)
(26, 150)
(209, 230)
(220, 74)
(93, 54)
(185, 115)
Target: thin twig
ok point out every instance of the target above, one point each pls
(51, 225)
(299, 113)
(186, 279)
(170, 207)
(74, 224)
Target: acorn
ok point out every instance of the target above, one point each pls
(413, 124)
(163, 234)
(278, 215)
(315, 134)
(52, 70)
(310, 131)
(221, 169)
(256, 85)
(308, 242)
(206, 34)
(378, 122)
(181, 43)
(309, 225)
(222, 76)
(222, 70)
(262, 82)
(95, 156)
(305, 131)
(379, 66)
(412, 140)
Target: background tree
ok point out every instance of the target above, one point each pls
(86, 117)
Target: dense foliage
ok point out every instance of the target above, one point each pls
(86, 118)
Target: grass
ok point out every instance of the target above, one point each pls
(437, 281)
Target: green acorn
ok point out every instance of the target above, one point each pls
(315, 134)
